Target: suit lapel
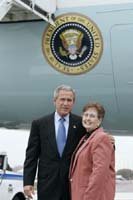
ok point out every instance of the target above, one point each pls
(51, 134)
(71, 134)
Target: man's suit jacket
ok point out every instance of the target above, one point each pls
(92, 174)
(42, 151)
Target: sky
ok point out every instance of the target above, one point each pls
(14, 143)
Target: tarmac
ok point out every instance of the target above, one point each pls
(124, 190)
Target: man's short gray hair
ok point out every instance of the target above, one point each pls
(63, 87)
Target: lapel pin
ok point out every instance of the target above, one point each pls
(74, 126)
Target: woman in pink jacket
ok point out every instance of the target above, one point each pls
(92, 169)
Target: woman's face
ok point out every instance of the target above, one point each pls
(90, 119)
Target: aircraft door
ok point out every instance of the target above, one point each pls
(122, 55)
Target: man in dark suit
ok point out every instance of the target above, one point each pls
(42, 150)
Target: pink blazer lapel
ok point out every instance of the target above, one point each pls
(81, 146)
(73, 160)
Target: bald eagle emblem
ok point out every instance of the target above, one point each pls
(72, 44)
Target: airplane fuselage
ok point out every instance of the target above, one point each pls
(28, 77)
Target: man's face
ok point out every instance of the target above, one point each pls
(64, 102)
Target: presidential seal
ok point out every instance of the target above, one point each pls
(74, 46)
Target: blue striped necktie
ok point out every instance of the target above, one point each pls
(61, 136)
